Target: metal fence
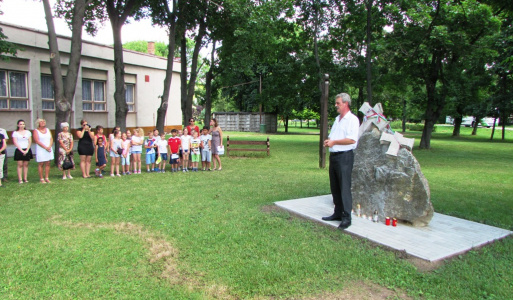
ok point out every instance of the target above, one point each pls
(246, 122)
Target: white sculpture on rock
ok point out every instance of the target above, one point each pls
(374, 116)
(396, 141)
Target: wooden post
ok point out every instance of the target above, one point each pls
(228, 146)
(268, 145)
(260, 106)
(324, 122)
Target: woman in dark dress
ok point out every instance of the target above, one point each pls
(85, 148)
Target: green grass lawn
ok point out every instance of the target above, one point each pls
(209, 235)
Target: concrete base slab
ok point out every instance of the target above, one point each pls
(445, 236)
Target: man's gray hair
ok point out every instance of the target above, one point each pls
(345, 98)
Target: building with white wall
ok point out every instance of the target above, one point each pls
(26, 86)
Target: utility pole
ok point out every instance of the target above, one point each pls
(260, 93)
(324, 121)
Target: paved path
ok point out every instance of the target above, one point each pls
(445, 236)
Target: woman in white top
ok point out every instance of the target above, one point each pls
(115, 145)
(111, 140)
(22, 139)
(44, 151)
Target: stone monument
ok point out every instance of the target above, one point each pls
(386, 176)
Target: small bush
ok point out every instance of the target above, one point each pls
(398, 126)
(417, 127)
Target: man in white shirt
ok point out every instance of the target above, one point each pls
(342, 140)
(6, 137)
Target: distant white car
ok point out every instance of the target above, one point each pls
(468, 121)
(484, 122)
(489, 122)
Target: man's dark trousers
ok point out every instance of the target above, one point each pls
(341, 167)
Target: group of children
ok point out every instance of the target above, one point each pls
(124, 148)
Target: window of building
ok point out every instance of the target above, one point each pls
(129, 96)
(47, 94)
(93, 95)
(13, 90)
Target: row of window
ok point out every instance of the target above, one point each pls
(13, 93)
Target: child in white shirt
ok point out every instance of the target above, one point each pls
(206, 155)
(162, 150)
(186, 145)
(150, 146)
(195, 151)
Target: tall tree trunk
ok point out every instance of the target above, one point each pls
(457, 126)
(368, 51)
(476, 123)
(457, 120)
(208, 86)
(183, 76)
(64, 93)
(359, 102)
(119, 74)
(162, 110)
(435, 102)
(493, 128)
(504, 119)
(432, 114)
(194, 69)
(118, 15)
(404, 116)
(286, 124)
(504, 113)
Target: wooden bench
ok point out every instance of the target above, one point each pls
(265, 143)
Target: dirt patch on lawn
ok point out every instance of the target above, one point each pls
(361, 290)
(271, 208)
(424, 266)
(160, 251)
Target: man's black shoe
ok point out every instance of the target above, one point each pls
(346, 222)
(332, 218)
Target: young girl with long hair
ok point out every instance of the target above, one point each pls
(101, 156)
(125, 157)
(22, 139)
(137, 141)
(115, 156)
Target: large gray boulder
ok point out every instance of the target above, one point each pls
(392, 185)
